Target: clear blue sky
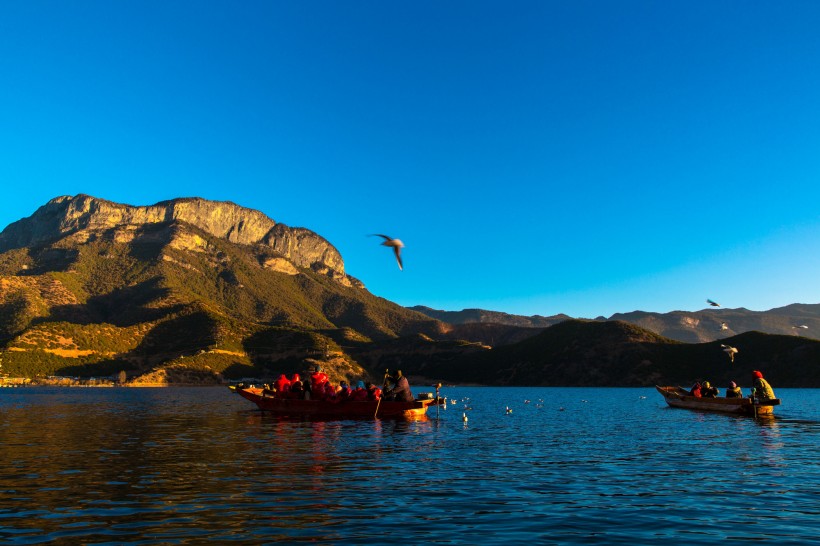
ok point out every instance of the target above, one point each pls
(579, 157)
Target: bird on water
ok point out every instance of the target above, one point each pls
(396, 244)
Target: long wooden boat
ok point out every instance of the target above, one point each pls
(678, 397)
(417, 409)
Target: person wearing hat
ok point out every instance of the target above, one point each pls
(401, 389)
(762, 389)
(733, 391)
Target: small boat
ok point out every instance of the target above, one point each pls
(371, 409)
(678, 397)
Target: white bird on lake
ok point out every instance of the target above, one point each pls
(396, 244)
(731, 351)
(713, 303)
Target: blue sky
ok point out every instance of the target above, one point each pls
(581, 157)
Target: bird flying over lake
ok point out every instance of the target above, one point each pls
(731, 351)
(713, 303)
(801, 326)
(395, 243)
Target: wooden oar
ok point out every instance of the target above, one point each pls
(384, 384)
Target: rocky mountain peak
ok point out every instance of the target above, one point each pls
(83, 216)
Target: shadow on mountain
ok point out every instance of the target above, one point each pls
(181, 336)
(102, 368)
(121, 307)
(281, 347)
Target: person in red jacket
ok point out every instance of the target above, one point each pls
(296, 387)
(282, 386)
(359, 393)
(696, 390)
(317, 383)
(373, 392)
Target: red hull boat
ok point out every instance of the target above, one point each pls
(344, 409)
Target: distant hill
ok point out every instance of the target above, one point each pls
(616, 353)
(689, 326)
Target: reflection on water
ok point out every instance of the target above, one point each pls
(160, 466)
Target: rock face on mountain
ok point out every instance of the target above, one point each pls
(83, 218)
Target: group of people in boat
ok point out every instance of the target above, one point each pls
(760, 389)
(319, 387)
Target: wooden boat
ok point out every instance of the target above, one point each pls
(344, 409)
(678, 397)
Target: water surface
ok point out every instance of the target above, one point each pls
(567, 465)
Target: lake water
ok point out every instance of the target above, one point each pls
(598, 465)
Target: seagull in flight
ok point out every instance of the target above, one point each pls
(801, 326)
(713, 303)
(731, 351)
(724, 326)
(396, 244)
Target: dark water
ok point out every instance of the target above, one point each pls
(191, 465)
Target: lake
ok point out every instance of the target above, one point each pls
(588, 465)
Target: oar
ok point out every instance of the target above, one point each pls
(384, 384)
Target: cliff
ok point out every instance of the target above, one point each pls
(83, 218)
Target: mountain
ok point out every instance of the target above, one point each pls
(689, 326)
(191, 290)
(91, 287)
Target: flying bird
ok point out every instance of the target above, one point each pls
(724, 326)
(396, 244)
(731, 351)
(713, 303)
(801, 326)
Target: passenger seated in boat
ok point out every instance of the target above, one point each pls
(695, 390)
(330, 392)
(282, 386)
(297, 389)
(317, 382)
(359, 393)
(401, 389)
(762, 389)
(708, 391)
(343, 391)
(373, 392)
(733, 391)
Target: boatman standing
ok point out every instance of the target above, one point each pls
(401, 389)
(762, 389)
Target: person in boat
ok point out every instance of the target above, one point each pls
(373, 392)
(282, 386)
(733, 391)
(401, 389)
(761, 387)
(330, 392)
(318, 379)
(297, 389)
(695, 390)
(343, 391)
(359, 393)
(708, 391)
